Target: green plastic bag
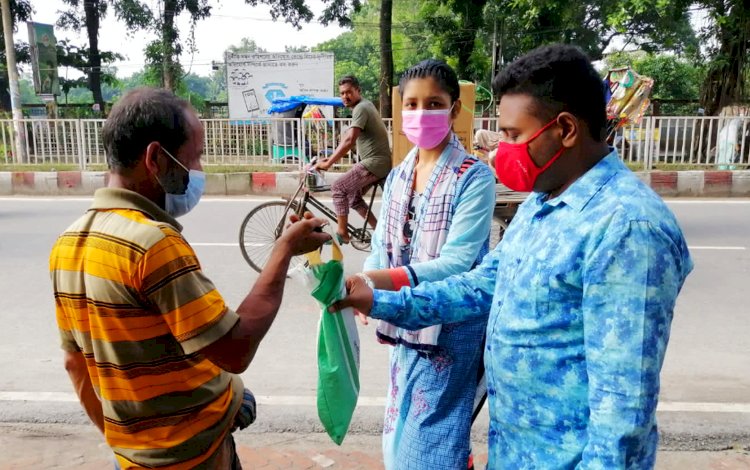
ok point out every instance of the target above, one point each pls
(338, 346)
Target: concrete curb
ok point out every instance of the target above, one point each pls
(50, 183)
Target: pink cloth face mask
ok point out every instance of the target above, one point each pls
(426, 128)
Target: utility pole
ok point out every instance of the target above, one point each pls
(15, 92)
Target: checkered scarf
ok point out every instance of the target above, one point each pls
(431, 223)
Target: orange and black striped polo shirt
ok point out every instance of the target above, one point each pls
(131, 296)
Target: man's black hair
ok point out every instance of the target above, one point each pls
(351, 80)
(142, 116)
(439, 71)
(560, 78)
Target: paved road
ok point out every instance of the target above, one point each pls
(65, 446)
(706, 377)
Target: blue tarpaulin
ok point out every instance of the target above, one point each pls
(279, 105)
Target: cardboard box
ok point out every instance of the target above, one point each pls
(463, 126)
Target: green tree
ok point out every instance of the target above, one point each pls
(195, 89)
(296, 12)
(197, 85)
(164, 53)
(454, 27)
(593, 25)
(88, 14)
(727, 41)
(356, 55)
(79, 58)
(21, 11)
(386, 57)
(28, 96)
(462, 32)
(358, 51)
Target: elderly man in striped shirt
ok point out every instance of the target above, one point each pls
(150, 346)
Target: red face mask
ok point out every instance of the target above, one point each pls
(514, 165)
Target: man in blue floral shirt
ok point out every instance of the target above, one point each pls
(581, 291)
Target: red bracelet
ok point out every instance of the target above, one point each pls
(399, 278)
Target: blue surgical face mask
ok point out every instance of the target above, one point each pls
(178, 205)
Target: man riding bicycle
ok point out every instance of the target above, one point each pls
(369, 133)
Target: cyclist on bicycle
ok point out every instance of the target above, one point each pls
(369, 133)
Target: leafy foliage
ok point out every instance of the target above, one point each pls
(461, 32)
(21, 10)
(727, 43)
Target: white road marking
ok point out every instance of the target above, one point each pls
(726, 248)
(56, 397)
(740, 201)
(308, 400)
(235, 244)
(45, 199)
(323, 461)
(704, 407)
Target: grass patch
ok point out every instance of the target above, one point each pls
(39, 167)
(247, 168)
(206, 168)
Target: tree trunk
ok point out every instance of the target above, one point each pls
(4, 92)
(15, 93)
(169, 37)
(4, 84)
(725, 82)
(91, 10)
(472, 18)
(386, 58)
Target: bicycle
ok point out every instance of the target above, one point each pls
(263, 225)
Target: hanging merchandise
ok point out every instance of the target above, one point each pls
(627, 97)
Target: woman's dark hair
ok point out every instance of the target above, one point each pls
(560, 78)
(439, 71)
(142, 116)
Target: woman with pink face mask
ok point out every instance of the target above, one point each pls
(435, 222)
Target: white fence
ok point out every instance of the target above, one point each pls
(657, 142)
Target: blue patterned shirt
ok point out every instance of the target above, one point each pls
(580, 296)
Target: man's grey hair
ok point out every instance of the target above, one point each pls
(140, 117)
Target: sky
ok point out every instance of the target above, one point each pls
(230, 21)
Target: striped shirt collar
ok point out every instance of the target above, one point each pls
(118, 198)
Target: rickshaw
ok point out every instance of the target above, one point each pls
(286, 135)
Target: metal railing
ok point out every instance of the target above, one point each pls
(324, 136)
(679, 142)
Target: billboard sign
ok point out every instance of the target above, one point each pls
(44, 58)
(254, 80)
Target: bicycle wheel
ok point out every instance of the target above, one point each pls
(260, 230)
(361, 239)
